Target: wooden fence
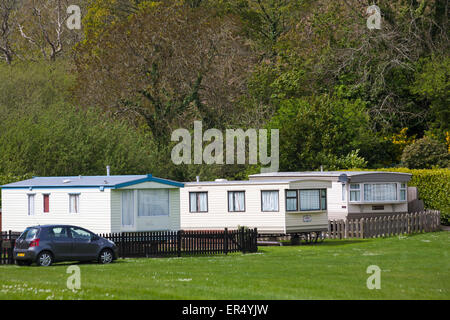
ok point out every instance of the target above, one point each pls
(427, 221)
(178, 243)
(7, 241)
(164, 243)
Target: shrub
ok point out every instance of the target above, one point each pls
(426, 153)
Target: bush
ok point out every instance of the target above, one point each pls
(426, 153)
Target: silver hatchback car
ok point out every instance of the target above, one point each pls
(53, 243)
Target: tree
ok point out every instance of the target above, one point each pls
(324, 130)
(7, 26)
(164, 66)
(426, 153)
(43, 30)
(42, 133)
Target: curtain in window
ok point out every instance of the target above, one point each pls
(202, 202)
(269, 200)
(127, 208)
(153, 202)
(309, 200)
(380, 192)
(74, 203)
(31, 204)
(193, 202)
(236, 201)
(198, 202)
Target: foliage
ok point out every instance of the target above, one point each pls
(182, 64)
(432, 84)
(426, 153)
(42, 133)
(323, 130)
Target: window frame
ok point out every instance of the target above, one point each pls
(278, 202)
(78, 207)
(379, 201)
(290, 197)
(196, 199)
(298, 201)
(45, 195)
(308, 210)
(400, 189)
(361, 191)
(29, 196)
(228, 200)
(356, 190)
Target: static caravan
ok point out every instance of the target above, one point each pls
(273, 206)
(356, 194)
(102, 204)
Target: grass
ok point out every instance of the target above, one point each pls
(412, 267)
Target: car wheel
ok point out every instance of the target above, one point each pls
(44, 259)
(106, 256)
(23, 263)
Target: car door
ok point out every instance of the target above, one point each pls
(84, 246)
(60, 242)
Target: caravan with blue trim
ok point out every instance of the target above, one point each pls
(102, 204)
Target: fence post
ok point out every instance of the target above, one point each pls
(255, 240)
(346, 226)
(122, 245)
(241, 233)
(225, 241)
(361, 228)
(179, 239)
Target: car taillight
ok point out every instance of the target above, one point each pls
(34, 243)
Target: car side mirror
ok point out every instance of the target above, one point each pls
(95, 237)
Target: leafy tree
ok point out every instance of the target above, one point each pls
(164, 66)
(426, 153)
(323, 130)
(432, 84)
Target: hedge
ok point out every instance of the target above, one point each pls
(433, 186)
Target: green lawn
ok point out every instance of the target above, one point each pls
(412, 267)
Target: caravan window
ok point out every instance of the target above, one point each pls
(31, 204)
(198, 202)
(269, 201)
(355, 192)
(127, 208)
(380, 192)
(153, 202)
(306, 200)
(236, 201)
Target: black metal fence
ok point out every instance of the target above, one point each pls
(178, 243)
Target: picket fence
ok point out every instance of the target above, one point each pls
(408, 223)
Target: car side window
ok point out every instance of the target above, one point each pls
(58, 232)
(80, 234)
